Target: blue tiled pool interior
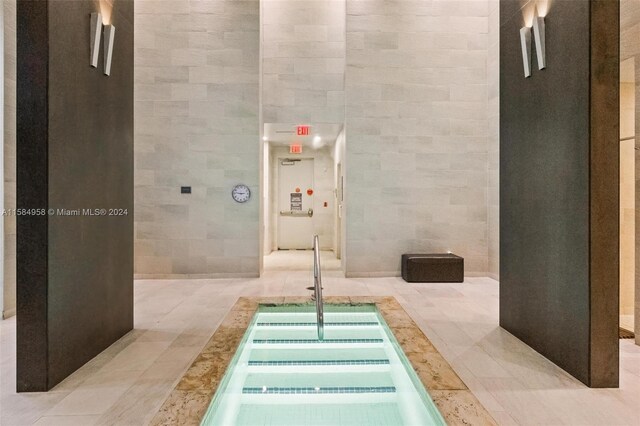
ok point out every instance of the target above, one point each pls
(283, 375)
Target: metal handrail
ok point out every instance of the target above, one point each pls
(317, 287)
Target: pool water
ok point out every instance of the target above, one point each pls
(283, 375)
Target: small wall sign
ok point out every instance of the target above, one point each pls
(296, 201)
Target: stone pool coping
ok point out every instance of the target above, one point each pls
(189, 400)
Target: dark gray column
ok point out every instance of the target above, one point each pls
(559, 187)
(74, 151)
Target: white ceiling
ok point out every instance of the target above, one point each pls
(285, 134)
(627, 71)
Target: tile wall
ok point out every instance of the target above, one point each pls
(197, 124)
(416, 132)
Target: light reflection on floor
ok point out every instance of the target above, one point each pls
(299, 260)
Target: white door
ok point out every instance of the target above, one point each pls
(295, 203)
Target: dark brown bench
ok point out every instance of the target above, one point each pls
(432, 268)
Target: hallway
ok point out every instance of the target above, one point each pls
(126, 384)
(299, 260)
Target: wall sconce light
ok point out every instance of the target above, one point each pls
(96, 32)
(538, 34)
(109, 35)
(525, 46)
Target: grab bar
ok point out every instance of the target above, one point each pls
(317, 286)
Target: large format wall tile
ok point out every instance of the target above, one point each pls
(303, 61)
(630, 48)
(9, 268)
(197, 112)
(416, 132)
(493, 151)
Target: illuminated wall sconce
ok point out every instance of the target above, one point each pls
(96, 32)
(538, 34)
(109, 35)
(525, 45)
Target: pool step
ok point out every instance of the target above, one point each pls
(313, 341)
(330, 352)
(320, 366)
(322, 414)
(316, 345)
(321, 362)
(303, 396)
(319, 381)
(266, 390)
(310, 317)
(310, 335)
(326, 324)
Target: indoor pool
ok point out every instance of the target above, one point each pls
(282, 374)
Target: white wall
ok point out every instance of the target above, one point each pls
(339, 158)
(323, 182)
(630, 48)
(303, 61)
(196, 124)
(267, 205)
(416, 126)
(419, 160)
(493, 164)
(9, 160)
(627, 199)
(2, 159)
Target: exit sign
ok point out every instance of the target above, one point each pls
(295, 149)
(303, 130)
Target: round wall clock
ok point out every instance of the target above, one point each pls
(241, 193)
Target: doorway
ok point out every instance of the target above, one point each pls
(301, 183)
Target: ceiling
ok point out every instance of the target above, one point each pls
(285, 134)
(627, 71)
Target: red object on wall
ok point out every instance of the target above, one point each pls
(297, 189)
(309, 191)
(302, 130)
(295, 149)
(326, 204)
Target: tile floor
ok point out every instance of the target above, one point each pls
(299, 260)
(126, 384)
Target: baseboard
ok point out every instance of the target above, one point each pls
(475, 274)
(195, 276)
(8, 313)
(383, 274)
(390, 274)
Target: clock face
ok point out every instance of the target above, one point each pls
(241, 193)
